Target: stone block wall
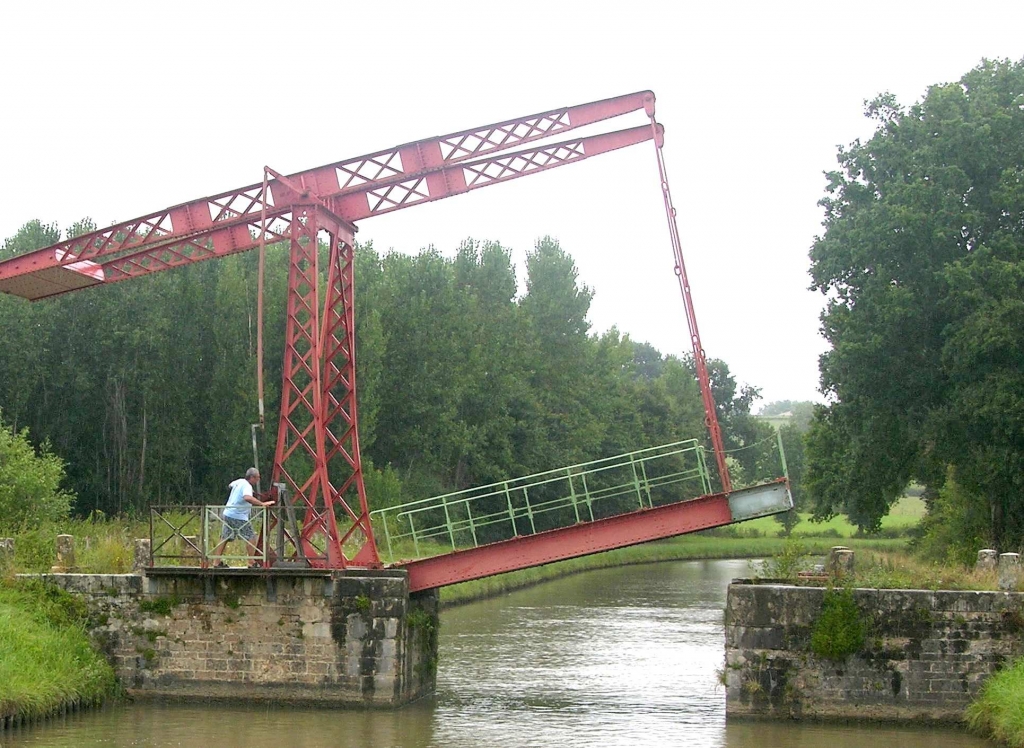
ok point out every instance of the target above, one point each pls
(924, 654)
(327, 637)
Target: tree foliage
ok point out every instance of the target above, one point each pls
(957, 525)
(147, 388)
(922, 261)
(799, 412)
(31, 490)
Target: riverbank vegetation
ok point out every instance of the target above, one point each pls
(999, 712)
(46, 659)
(922, 262)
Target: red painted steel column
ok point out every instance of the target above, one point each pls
(299, 459)
(317, 452)
(340, 412)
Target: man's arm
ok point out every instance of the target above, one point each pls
(250, 499)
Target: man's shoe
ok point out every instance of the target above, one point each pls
(221, 565)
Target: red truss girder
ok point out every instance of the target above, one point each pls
(386, 196)
(522, 552)
(230, 221)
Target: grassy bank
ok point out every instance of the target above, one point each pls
(46, 660)
(687, 547)
(999, 710)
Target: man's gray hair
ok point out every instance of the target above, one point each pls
(251, 473)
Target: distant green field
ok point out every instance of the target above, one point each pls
(776, 421)
(905, 513)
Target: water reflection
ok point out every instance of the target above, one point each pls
(618, 657)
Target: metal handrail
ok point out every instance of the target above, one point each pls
(187, 535)
(476, 516)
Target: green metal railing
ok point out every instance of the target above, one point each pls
(544, 501)
(187, 535)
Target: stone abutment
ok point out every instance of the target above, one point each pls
(877, 654)
(351, 638)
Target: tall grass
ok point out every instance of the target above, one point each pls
(102, 546)
(903, 517)
(998, 711)
(888, 570)
(46, 660)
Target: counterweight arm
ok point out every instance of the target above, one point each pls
(378, 198)
(223, 224)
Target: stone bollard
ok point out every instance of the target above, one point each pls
(840, 562)
(140, 559)
(6, 553)
(65, 554)
(988, 559)
(190, 549)
(1009, 571)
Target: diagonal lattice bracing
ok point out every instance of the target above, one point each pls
(469, 145)
(217, 217)
(340, 423)
(521, 163)
(317, 453)
(359, 171)
(398, 195)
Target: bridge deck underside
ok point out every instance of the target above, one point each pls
(606, 534)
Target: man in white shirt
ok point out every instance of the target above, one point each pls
(236, 516)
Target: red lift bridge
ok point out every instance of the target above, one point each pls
(317, 455)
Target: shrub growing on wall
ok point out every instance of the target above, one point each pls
(839, 630)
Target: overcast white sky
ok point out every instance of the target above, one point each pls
(112, 110)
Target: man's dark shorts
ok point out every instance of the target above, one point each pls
(234, 529)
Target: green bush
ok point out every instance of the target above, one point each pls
(30, 483)
(839, 630)
(383, 487)
(50, 605)
(35, 550)
(788, 562)
(827, 532)
(956, 526)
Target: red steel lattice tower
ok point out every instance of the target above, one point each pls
(317, 454)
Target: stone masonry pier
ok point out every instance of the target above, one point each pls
(351, 638)
(923, 655)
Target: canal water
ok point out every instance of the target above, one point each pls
(615, 657)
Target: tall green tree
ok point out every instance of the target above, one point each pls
(921, 262)
(560, 359)
(25, 330)
(147, 389)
